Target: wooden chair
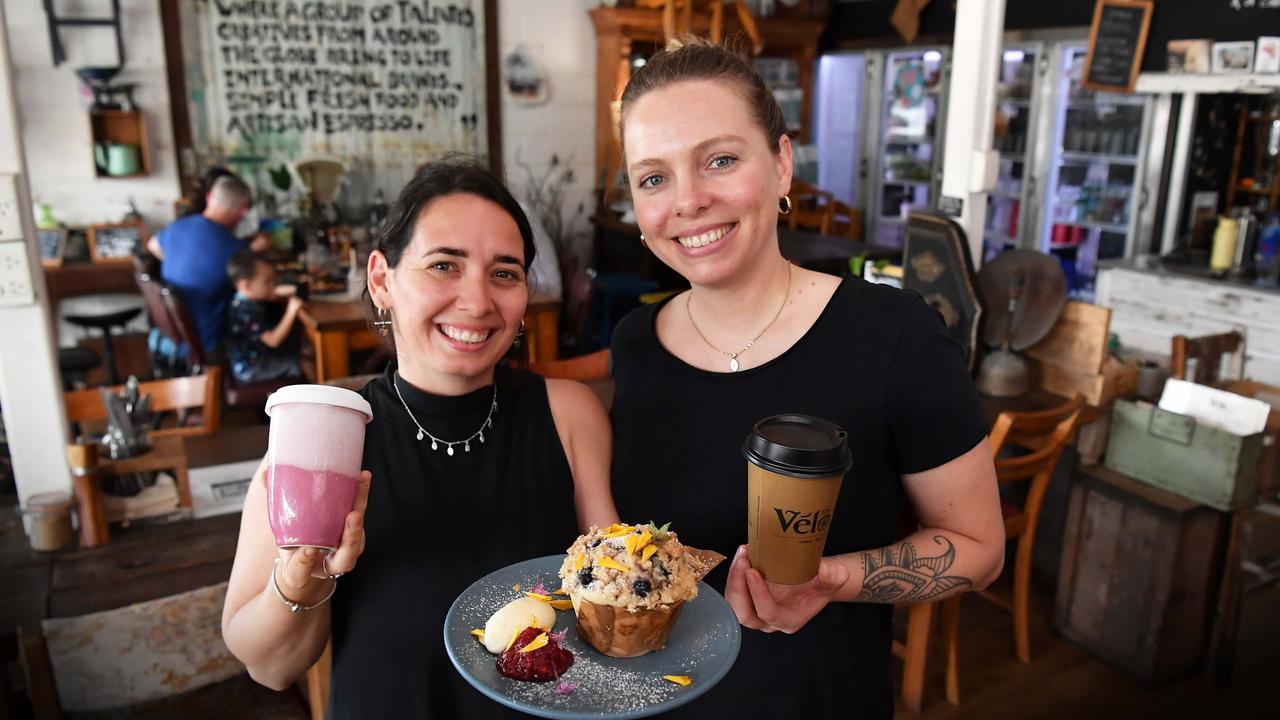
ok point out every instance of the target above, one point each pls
(594, 366)
(179, 395)
(1045, 434)
(811, 209)
(846, 221)
(1207, 352)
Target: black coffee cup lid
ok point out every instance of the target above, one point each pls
(800, 446)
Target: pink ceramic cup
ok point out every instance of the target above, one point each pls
(313, 462)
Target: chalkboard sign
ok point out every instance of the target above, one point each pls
(52, 243)
(116, 243)
(1116, 42)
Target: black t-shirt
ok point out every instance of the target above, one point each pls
(877, 362)
(435, 524)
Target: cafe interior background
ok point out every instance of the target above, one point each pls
(1087, 193)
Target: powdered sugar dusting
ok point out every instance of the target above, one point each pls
(605, 686)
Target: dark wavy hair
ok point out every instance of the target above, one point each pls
(451, 175)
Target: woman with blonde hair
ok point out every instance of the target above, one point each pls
(708, 161)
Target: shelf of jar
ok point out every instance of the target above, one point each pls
(1103, 226)
(1071, 156)
(1256, 190)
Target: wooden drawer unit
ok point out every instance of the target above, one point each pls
(1139, 575)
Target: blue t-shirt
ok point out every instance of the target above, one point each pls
(196, 251)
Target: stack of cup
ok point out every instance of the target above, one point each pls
(313, 462)
(795, 465)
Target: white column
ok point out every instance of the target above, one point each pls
(30, 389)
(970, 166)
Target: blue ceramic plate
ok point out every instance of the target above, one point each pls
(703, 645)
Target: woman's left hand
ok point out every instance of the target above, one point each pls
(762, 605)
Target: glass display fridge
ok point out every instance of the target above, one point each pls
(1093, 191)
(1011, 206)
(906, 110)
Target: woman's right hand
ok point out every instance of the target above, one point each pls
(301, 572)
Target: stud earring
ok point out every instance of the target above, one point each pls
(643, 242)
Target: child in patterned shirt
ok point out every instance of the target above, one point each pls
(255, 349)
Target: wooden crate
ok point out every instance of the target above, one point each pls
(1269, 466)
(1139, 573)
(1073, 358)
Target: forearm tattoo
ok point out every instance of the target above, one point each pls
(908, 577)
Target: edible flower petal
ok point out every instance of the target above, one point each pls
(561, 590)
(534, 644)
(564, 687)
(612, 564)
(577, 563)
(683, 680)
(644, 539)
(648, 552)
(620, 531)
(561, 604)
(538, 596)
(560, 636)
(478, 632)
(632, 541)
(538, 589)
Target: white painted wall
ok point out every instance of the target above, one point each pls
(30, 394)
(558, 33)
(53, 110)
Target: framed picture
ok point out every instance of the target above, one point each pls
(1233, 58)
(1268, 58)
(116, 242)
(1189, 56)
(52, 243)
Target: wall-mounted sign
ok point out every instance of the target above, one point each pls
(382, 85)
(1117, 39)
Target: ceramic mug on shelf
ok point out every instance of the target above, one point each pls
(116, 159)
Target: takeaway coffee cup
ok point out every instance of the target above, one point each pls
(313, 462)
(795, 464)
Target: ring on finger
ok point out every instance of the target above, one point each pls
(325, 564)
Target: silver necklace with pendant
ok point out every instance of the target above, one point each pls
(733, 357)
(448, 445)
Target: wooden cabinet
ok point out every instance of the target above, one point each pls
(1139, 575)
(126, 128)
(623, 33)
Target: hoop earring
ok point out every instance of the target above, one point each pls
(784, 205)
(383, 323)
(519, 335)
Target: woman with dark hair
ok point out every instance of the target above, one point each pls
(475, 466)
(709, 164)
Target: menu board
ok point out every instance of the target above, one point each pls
(116, 243)
(1116, 41)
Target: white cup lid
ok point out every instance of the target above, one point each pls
(320, 395)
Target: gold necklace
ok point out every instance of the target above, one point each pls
(733, 357)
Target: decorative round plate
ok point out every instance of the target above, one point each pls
(703, 645)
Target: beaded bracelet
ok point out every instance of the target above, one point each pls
(295, 606)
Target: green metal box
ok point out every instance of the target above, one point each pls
(1174, 452)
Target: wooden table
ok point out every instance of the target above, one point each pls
(167, 453)
(335, 328)
(65, 281)
(829, 253)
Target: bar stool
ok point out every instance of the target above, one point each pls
(74, 364)
(105, 322)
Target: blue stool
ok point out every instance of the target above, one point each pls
(607, 288)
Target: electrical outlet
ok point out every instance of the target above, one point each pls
(15, 276)
(10, 211)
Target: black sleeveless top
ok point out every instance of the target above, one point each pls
(434, 525)
(879, 363)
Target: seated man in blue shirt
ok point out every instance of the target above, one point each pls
(194, 252)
